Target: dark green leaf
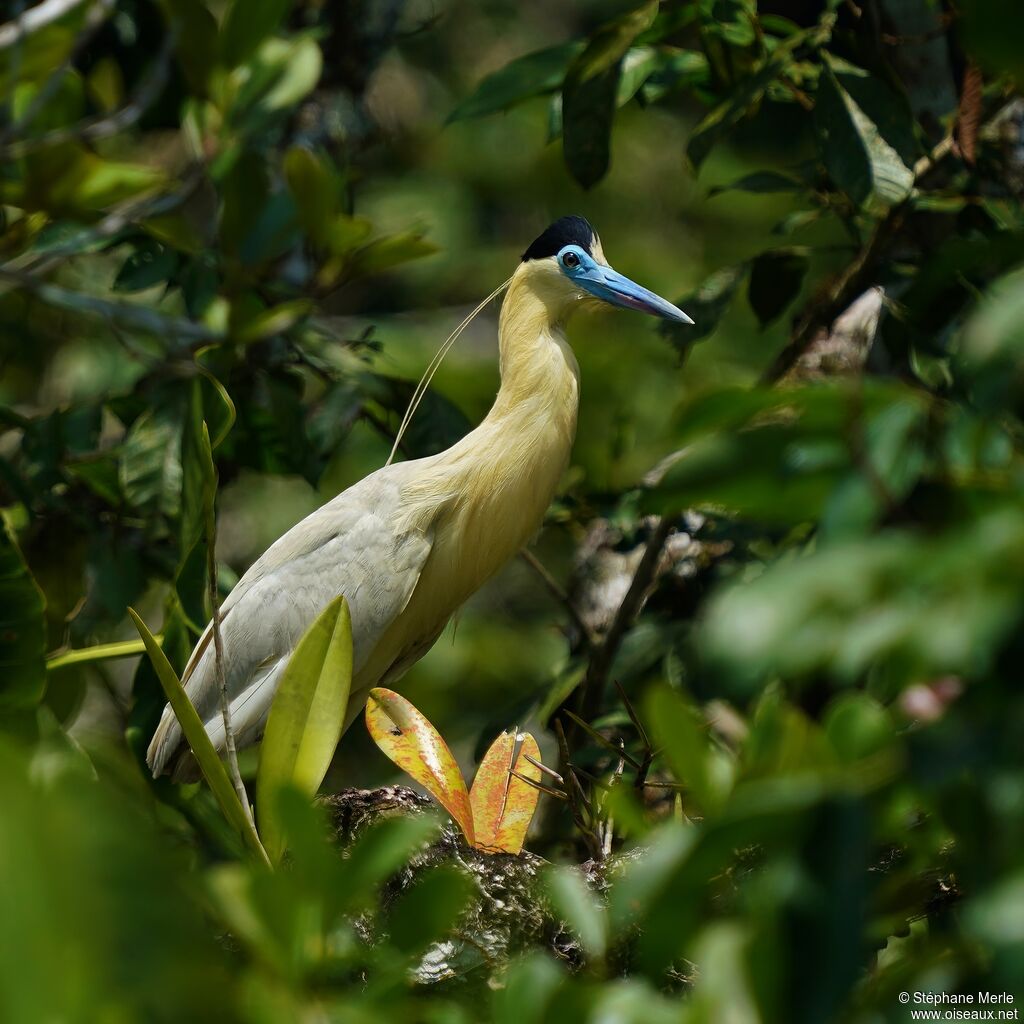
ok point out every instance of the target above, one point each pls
(775, 280)
(590, 93)
(859, 159)
(247, 24)
(532, 75)
(22, 629)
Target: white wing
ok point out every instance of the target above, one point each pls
(351, 546)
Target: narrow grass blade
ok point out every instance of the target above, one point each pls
(209, 762)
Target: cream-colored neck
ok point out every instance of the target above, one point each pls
(491, 489)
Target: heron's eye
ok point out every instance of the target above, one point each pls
(570, 260)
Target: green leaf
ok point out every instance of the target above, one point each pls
(776, 277)
(706, 306)
(748, 93)
(428, 908)
(761, 183)
(698, 764)
(195, 734)
(247, 24)
(921, 606)
(269, 322)
(590, 93)
(150, 264)
(531, 75)
(149, 468)
(578, 907)
(859, 159)
(22, 629)
(306, 717)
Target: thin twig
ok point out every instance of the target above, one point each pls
(555, 589)
(34, 19)
(130, 315)
(548, 790)
(104, 125)
(94, 18)
(218, 654)
(594, 682)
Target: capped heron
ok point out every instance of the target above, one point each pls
(408, 544)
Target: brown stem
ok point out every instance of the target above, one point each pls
(595, 681)
(555, 589)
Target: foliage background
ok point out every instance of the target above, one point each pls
(267, 215)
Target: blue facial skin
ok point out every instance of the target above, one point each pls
(612, 287)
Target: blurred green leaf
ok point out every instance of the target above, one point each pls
(747, 94)
(22, 628)
(924, 606)
(306, 717)
(531, 75)
(247, 23)
(428, 908)
(703, 768)
(590, 92)
(761, 183)
(776, 277)
(579, 908)
(706, 306)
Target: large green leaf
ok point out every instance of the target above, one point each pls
(776, 277)
(531, 75)
(247, 24)
(306, 717)
(859, 158)
(195, 735)
(590, 93)
(923, 607)
(22, 629)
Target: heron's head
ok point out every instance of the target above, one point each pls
(566, 264)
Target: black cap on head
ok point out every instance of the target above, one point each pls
(565, 231)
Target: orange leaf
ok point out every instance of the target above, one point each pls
(417, 748)
(503, 805)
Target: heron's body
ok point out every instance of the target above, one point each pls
(408, 544)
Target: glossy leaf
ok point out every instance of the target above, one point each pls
(306, 717)
(195, 735)
(418, 749)
(502, 805)
(859, 159)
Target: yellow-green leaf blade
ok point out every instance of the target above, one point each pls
(191, 725)
(417, 748)
(521, 800)
(306, 717)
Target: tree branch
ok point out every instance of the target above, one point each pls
(591, 691)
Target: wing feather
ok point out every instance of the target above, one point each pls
(354, 545)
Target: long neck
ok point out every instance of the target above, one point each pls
(539, 373)
(497, 482)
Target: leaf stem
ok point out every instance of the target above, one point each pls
(99, 652)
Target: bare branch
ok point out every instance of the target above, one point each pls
(555, 589)
(35, 18)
